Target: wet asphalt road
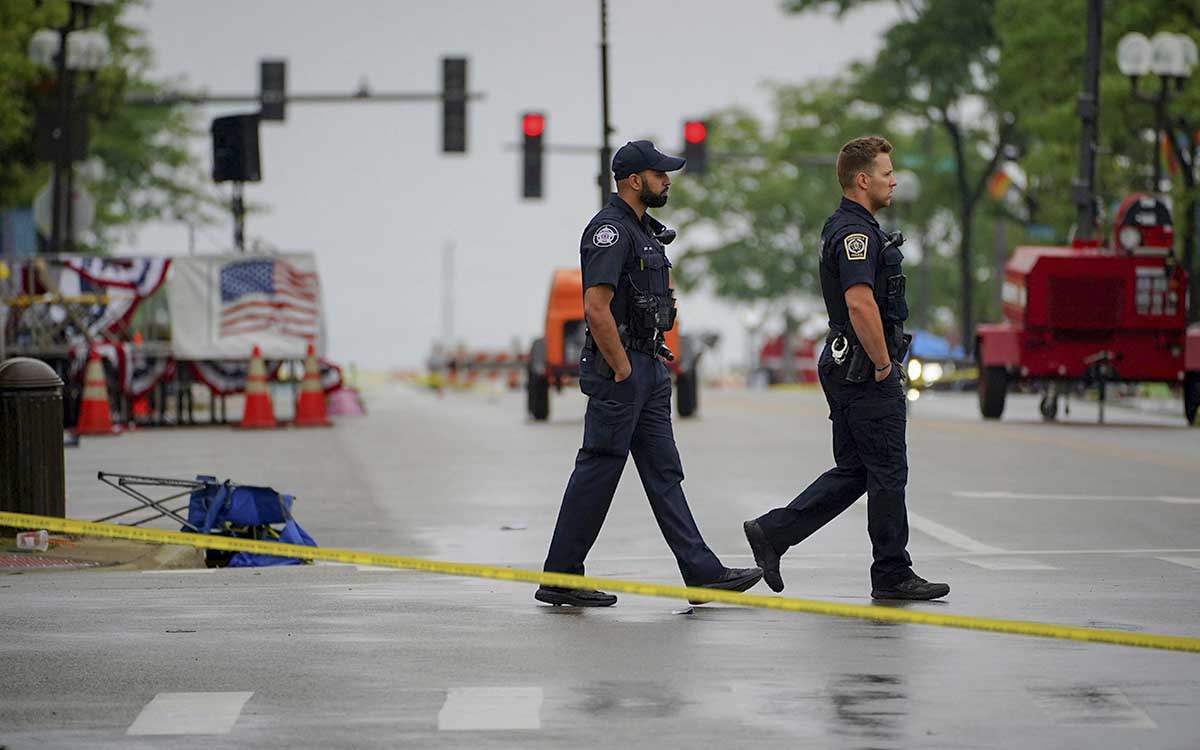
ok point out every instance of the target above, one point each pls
(1070, 523)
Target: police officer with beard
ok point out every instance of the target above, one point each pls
(859, 370)
(629, 305)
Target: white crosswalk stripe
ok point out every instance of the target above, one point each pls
(491, 708)
(1191, 562)
(1006, 563)
(190, 713)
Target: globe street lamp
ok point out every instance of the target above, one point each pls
(69, 49)
(1171, 57)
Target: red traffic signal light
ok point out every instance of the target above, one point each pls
(533, 124)
(695, 146)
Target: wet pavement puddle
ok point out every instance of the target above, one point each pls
(1087, 705)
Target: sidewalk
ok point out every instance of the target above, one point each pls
(75, 553)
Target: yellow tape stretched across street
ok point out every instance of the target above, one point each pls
(787, 604)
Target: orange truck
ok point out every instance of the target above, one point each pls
(554, 358)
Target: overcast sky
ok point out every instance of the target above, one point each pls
(365, 187)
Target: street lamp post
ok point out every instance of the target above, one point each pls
(68, 50)
(605, 176)
(1171, 57)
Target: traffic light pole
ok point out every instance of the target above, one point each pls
(605, 177)
(362, 95)
(273, 98)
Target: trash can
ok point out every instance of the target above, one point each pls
(31, 439)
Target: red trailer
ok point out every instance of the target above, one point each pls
(1093, 314)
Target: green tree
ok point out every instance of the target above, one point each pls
(1042, 90)
(750, 227)
(938, 65)
(141, 167)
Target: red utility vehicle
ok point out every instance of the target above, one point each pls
(1093, 314)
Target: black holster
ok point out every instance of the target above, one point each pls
(652, 346)
(859, 367)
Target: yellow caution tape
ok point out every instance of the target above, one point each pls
(856, 611)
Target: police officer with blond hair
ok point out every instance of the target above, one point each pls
(859, 369)
(629, 305)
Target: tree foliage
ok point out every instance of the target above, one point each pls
(961, 89)
(1044, 88)
(139, 166)
(765, 196)
(938, 64)
(750, 226)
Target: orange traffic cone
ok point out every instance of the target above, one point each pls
(258, 411)
(310, 409)
(94, 415)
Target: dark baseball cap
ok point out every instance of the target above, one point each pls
(635, 156)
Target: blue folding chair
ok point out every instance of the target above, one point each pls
(247, 512)
(216, 507)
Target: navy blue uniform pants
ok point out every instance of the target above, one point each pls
(633, 416)
(869, 421)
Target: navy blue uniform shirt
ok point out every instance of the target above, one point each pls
(851, 242)
(615, 245)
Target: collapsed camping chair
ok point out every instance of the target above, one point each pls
(221, 508)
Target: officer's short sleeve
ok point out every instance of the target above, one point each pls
(857, 251)
(602, 252)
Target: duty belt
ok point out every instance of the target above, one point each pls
(647, 345)
(643, 345)
(846, 348)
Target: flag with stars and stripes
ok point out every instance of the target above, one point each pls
(223, 306)
(269, 295)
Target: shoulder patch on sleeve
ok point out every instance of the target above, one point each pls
(606, 235)
(856, 246)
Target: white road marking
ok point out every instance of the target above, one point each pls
(947, 535)
(1191, 562)
(1142, 551)
(1058, 496)
(1006, 563)
(491, 708)
(190, 713)
(795, 555)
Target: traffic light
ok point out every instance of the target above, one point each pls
(272, 90)
(454, 105)
(533, 125)
(695, 146)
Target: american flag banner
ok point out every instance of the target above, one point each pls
(269, 295)
(223, 306)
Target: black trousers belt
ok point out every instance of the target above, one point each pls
(643, 345)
